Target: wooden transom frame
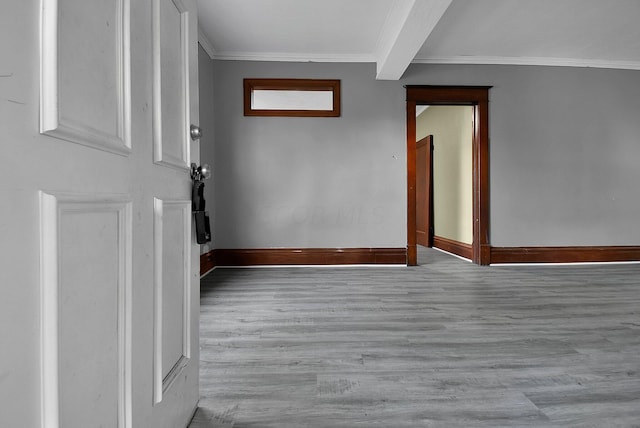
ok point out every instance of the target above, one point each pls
(331, 85)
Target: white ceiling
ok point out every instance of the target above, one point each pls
(394, 33)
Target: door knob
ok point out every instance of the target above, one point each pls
(196, 132)
(199, 173)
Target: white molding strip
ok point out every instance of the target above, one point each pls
(159, 155)
(539, 61)
(162, 383)
(206, 44)
(158, 245)
(49, 379)
(294, 57)
(478, 60)
(52, 207)
(185, 36)
(53, 122)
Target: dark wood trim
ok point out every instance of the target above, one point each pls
(564, 254)
(412, 250)
(332, 85)
(481, 248)
(477, 96)
(309, 256)
(447, 95)
(424, 192)
(207, 262)
(454, 247)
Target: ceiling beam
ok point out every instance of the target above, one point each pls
(407, 27)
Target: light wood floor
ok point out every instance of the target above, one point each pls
(445, 344)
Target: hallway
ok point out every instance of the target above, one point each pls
(446, 344)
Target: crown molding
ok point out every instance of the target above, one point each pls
(293, 57)
(206, 44)
(542, 61)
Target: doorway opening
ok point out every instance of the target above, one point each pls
(444, 191)
(478, 98)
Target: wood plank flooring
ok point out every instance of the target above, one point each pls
(444, 344)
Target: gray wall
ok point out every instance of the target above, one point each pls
(564, 150)
(207, 147)
(565, 145)
(310, 182)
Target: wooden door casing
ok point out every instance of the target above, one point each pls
(478, 97)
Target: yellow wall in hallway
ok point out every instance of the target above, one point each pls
(452, 130)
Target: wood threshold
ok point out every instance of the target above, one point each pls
(582, 254)
(454, 247)
(309, 256)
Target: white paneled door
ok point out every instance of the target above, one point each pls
(100, 281)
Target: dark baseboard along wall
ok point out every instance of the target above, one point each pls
(309, 256)
(564, 254)
(454, 247)
(342, 256)
(301, 256)
(207, 262)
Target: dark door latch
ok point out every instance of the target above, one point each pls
(203, 228)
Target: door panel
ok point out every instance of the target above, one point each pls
(87, 36)
(171, 22)
(173, 309)
(85, 86)
(424, 191)
(175, 233)
(86, 322)
(89, 370)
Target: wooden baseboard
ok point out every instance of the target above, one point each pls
(454, 247)
(564, 254)
(309, 256)
(207, 262)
